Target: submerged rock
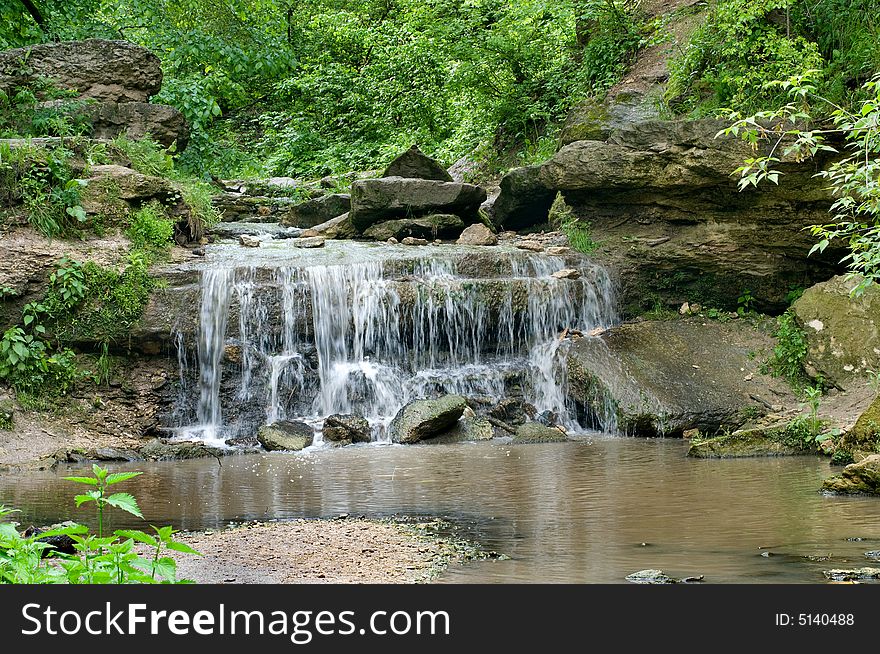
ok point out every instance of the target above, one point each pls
(286, 435)
(249, 241)
(659, 577)
(535, 432)
(344, 429)
(477, 234)
(423, 419)
(467, 429)
(165, 450)
(862, 477)
(771, 440)
(855, 574)
(416, 164)
(432, 226)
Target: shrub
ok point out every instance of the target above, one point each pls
(151, 230)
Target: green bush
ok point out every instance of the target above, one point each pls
(790, 351)
(151, 230)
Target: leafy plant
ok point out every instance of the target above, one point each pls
(151, 230)
(745, 303)
(790, 351)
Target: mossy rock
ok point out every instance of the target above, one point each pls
(423, 419)
(535, 432)
(862, 477)
(466, 430)
(867, 427)
(759, 441)
(289, 436)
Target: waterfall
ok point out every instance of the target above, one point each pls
(365, 329)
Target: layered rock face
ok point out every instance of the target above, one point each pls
(660, 200)
(113, 81)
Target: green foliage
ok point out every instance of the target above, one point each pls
(41, 109)
(731, 56)
(580, 236)
(146, 156)
(151, 230)
(745, 303)
(790, 352)
(98, 559)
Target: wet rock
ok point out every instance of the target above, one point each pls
(531, 246)
(535, 432)
(477, 234)
(548, 418)
(524, 199)
(389, 198)
(249, 241)
(164, 450)
(771, 440)
(855, 574)
(243, 442)
(409, 240)
(423, 419)
(415, 164)
(862, 477)
(428, 227)
(513, 411)
(339, 227)
(567, 273)
(345, 429)
(318, 211)
(107, 71)
(308, 242)
(874, 555)
(664, 377)
(286, 435)
(392, 241)
(467, 429)
(61, 543)
(659, 577)
(842, 331)
(559, 251)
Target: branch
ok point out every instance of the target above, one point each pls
(35, 13)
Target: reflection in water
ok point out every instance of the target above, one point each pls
(575, 512)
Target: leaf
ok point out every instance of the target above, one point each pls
(83, 480)
(99, 472)
(63, 531)
(82, 499)
(126, 502)
(139, 536)
(118, 477)
(181, 547)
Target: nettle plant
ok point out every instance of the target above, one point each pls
(97, 559)
(853, 176)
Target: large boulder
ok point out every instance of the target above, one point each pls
(842, 331)
(477, 234)
(286, 435)
(377, 200)
(467, 430)
(770, 440)
(414, 163)
(524, 201)
(661, 201)
(435, 226)
(316, 212)
(162, 123)
(665, 377)
(344, 429)
(339, 227)
(862, 477)
(423, 419)
(535, 432)
(107, 71)
(111, 189)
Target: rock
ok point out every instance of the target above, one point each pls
(866, 432)
(62, 543)
(862, 477)
(345, 429)
(842, 331)
(249, 241)
(423, 419)
(592, 120)
(477, 234)
(392, 241)
(772, 440)
(663, 377)
(874, 555)
(116, 454)
(309, 233)
(442, 225)
(531, 246)
(467, 429)
(524, 200)
(388, 198)
(567, 273)
(317, 212)
(339, 227)
(856, 574)
(308, 242)
(409, 240)
(660, 198)
(415, 164)
(164, 450)
(659, 577)
(559, 251)
(111, 188)
(165, 125)
(286, 435)
(535, 432)
(107, 71)
(513, 411)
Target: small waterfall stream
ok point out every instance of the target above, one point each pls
(364, 329)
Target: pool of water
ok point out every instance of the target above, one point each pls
(586, 511)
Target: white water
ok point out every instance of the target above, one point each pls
(365, 329)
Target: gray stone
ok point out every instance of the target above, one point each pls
(859, 478)
(308, 242)
(477, 234)
(409, 240)
(249, 241)
(432, 226)
(164, 450)
(345, 429)
(162, 123)
(466, 430)
(286, 435)
(415, 164)
(535, 432)
(339, 227)
(525, 199)
(317, 212)
(424, 419)
(108, 71)
(376, 200)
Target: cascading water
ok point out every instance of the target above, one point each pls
(364, 329)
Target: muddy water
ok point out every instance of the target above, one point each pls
(588, 511)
